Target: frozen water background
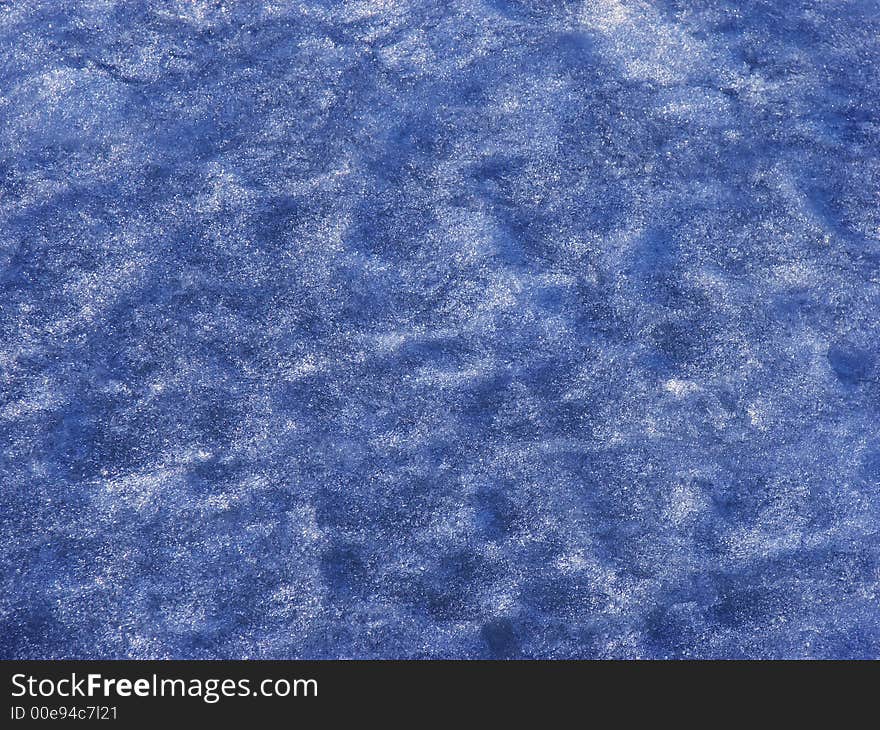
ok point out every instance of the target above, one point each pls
(439, 329)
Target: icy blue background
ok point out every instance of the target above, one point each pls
(439, 329)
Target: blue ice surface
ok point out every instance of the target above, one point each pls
(420, 329)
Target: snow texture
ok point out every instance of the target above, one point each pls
(408, 328)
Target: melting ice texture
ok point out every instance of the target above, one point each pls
(406, 328)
